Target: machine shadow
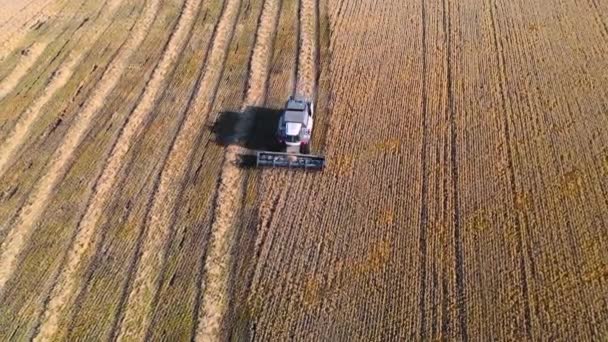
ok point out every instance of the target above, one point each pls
(254, 128)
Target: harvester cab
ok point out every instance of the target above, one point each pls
(293, 133)
(295, 126)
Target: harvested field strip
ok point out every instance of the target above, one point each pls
(27, 295)
(10, 145)
(18, 14)
(71, 40)
(14, 31)
(145, 284)
(306, 86)
(262, 52)
(28, 58)
(29, 215)
(49, 130)
(217, 264)
(59, 78)
(104, 290)
(55, 34)
(105, 184)
(13, 9)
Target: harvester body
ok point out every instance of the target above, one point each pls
(295, 125)
(293, 134)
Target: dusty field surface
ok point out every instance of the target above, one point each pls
(465, 196)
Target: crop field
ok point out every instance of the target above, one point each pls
(465, 195)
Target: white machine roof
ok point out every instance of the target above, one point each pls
(296, 104)
(299, 116)
(293, 128)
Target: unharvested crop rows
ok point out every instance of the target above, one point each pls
(422, 224)
(465, 195)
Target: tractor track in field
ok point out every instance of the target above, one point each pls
(424, 195)
(453, 165)
(294, 85)
(109, 176)
(30, 214)
(148, 265)
(227, 202)
(28, 58)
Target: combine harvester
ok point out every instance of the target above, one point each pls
(293, 134)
